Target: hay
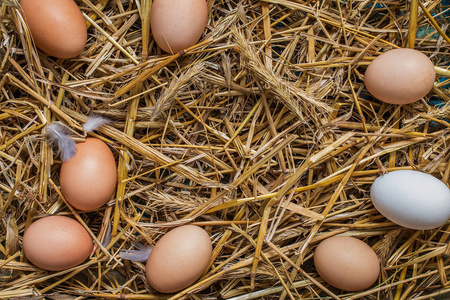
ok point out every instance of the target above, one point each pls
(263, 134)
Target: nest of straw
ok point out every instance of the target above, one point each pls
(263, 134)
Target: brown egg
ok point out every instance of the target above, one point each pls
(178, 24)
(178, 259)
(56, 243)
(57, 26)
(400, 76)
(346, 263)
(88, 179)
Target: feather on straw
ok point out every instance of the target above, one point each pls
(59, 135)
(95, 122)
(107, 237)
(141, 254)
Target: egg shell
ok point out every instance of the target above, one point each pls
(400, 76)
(57, 26)
(88, 179)
(346, 263)
(178, 259)
(56, 243)
(411, 199)
(178, 24)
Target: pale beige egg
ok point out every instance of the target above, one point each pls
(400, 76)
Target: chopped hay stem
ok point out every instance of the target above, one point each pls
(124, 160)
(412, 30)
(402, 277)
(110, 39)
(151, 153)
(97, 9)
(336, 194)
(301, 271)
(28, 292)
(19, 175)
(51, 105)
(20, 135)
(390, 285)
(146, 27)
(128, 296)
(244, 122)
(269, 291)
(146, 74)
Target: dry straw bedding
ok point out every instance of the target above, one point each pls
(269, 108)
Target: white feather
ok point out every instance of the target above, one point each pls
(141, 254)
(95, 122)
(60, 135)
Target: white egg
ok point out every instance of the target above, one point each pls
(412, 199)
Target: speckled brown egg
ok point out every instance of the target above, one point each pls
(57, 26)
(88, 179)
(346, 263)
(56, 243)
(178, 259)
(400, 76)
(178, 24)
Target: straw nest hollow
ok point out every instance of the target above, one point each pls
(263, 133)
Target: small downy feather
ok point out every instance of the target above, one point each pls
(141, 254)
(95, 122)
(59, 135)
(107, 237)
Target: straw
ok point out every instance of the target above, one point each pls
(262, 132)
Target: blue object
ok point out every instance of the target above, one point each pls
(436, 102)
(425, 30)
(378, 5)
(365, 96)
(441, 18)
(444, 5)
(442, 79)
